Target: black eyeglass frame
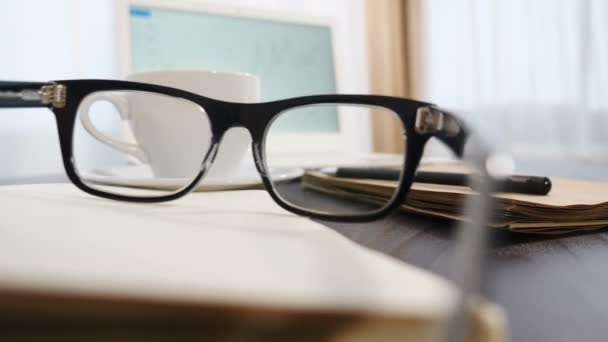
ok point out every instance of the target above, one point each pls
(420, 120)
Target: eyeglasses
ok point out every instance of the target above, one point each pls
(99, 161)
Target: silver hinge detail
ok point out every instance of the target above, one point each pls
(54, 95)
(428, 120)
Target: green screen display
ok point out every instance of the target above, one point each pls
(290, 59)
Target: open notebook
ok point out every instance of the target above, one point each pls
(572, 205)
(219, 266)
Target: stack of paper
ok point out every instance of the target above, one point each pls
(222, 266)
(572, 205)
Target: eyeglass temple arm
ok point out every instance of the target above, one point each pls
(16, 94)
(473, 234)
(472, 242)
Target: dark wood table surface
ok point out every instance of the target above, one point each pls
(553, 288)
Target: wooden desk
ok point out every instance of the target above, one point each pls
(553, 288)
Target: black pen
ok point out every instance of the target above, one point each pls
(533, 185)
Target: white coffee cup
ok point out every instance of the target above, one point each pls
(139, 112)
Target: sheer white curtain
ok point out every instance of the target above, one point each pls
(533, 75)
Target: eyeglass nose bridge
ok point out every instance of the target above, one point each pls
(256, 142)
(251, 118)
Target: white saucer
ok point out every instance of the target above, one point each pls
(245, 175)
(140, 176)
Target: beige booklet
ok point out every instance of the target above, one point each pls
(572, 205)
(215, 266)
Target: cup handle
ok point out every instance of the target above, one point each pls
(122, 105)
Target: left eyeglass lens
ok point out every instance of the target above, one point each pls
(139, 144)
(306, 165)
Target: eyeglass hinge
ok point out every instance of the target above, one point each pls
(54, 94)
(429, 120)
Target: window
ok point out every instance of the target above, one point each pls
(533, 75)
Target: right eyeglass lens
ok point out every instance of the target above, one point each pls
(313, 169)
(139, 144)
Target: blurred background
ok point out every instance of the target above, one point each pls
(530, 75)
